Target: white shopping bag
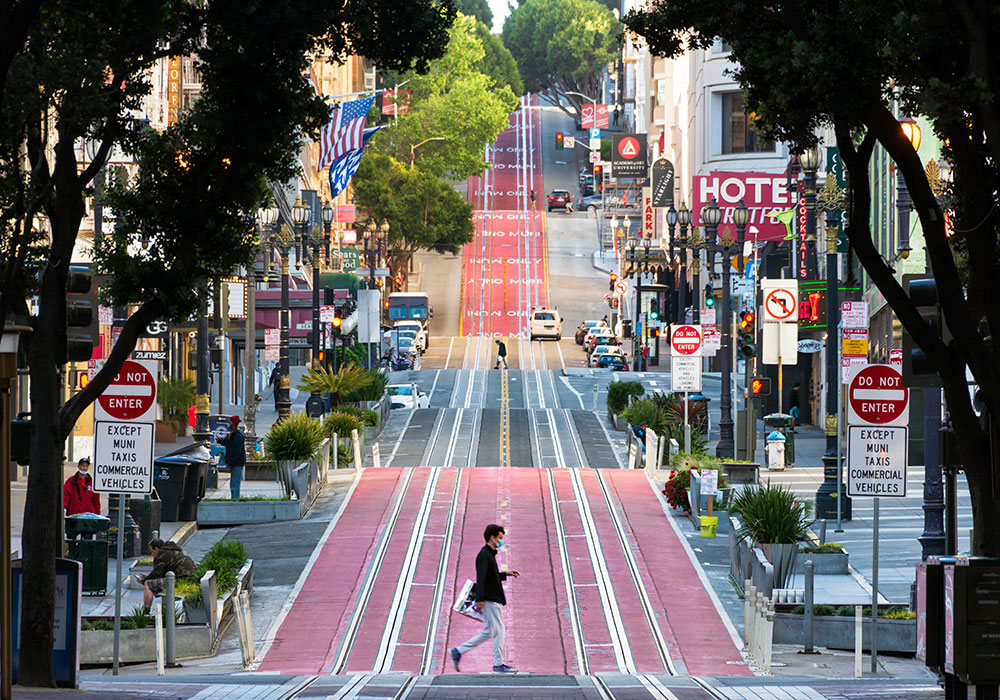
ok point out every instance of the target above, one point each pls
(465, 601)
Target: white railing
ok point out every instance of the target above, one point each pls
(758, 626)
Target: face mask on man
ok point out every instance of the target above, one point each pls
(500, 543)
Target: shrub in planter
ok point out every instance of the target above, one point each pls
(344, 455)
(773, 518)
(342, 424)
(367, 416)
(645, 411)
(295, 439)
(337, 384)
(619, 393)
(675, 490)
(226, 558)
(373, 390)
(175, 396)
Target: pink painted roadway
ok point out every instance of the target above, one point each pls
(540, 638)
(504, 267)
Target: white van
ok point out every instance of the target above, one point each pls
(545, 323)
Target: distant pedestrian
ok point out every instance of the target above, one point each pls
(236, 455)
(532, 200)
(616, 115)
(489, 599)
(501, 355)
(793, 403)
(275, 381)
(78, 491)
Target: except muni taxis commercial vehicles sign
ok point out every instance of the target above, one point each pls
(124, 434)
(877, 416)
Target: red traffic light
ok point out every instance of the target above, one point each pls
(399, 280)
(614, 277)
(337, 321)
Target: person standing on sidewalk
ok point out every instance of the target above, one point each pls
(78, 491)
(236, 455)
(501, 355)
(275, 381)
(489, 599)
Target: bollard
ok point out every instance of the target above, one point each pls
(336, 452)
(356, 444)
(376, 456)
(168, 605)
(155, 535)
(596, 389)
(248, 624)
(857, 641)
(158, 617)
(808, 568)
(768, 634)
(746, 614)
(822, 532)
(751, 619)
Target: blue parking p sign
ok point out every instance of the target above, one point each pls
(595, 133)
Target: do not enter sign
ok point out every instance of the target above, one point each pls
(876, 396)
(686, 340)
(131, 396)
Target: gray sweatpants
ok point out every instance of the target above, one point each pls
(492, 627)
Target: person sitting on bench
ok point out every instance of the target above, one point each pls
(167, 556)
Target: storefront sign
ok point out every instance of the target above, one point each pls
(762, 193)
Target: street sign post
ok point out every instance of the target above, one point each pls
(877, 416)
(685, 368)
(686, 340)
(569, 142)
(595, 157)
(621, 288)
(124, 439)
(779, 339)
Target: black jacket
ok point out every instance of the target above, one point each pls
(236, 452)
(488, 577)
(501, 349)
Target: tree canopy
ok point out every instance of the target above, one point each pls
(562, 46)
(453, 101)
(497, 61)
(480, 9)
(423, 211)
(81, 71)
(854, 65)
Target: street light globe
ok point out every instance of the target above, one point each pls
(671, 216)
(631, 242)
(384, 227)
(810, 159)
(684, 215)
(300, 213)
(711, 214)
(327, 213)
(646, 243)
(741, 216)
(911, 130)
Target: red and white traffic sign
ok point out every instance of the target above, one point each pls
(595, 156)
(326, 314)
(131, 396)
(780, 304)
(628, 147)
(621, 288)
(686, 340)
(896, 358)
(876, 396)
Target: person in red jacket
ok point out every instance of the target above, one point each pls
(78, 491)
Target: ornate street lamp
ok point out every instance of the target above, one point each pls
(284, 240)
(315, 404)
(301, 216)
(684, 219)
(327, 214)
(672, 295)
(266, 217)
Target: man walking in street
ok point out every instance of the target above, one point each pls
(501, 355)
(489, 599)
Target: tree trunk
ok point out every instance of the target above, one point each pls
(42, 531)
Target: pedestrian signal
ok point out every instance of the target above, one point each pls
(760, 386)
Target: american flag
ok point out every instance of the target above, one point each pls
(343, 168)
(343, 133)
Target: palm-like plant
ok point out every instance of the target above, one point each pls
(347, 379)
(175, 395)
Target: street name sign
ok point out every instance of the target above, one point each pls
(686, 340)
(876, 461)
(876, 396)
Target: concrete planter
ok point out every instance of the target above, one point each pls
(134, 570)
(783, 559)
(139, 646)
(835, 632)
(260, 470)
(164, 431)
(212, 513)
(740, 472)
(832, 563)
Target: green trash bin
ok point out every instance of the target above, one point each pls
(87, 543)
(784, 424)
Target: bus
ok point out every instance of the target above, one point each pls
(409, 306)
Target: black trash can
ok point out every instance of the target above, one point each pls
(87, 543)
(180, 481)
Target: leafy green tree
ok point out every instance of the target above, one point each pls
(454, 102)
(561, 46)
(480, 9)
(854, 65)
(82, 70)
(497, 61)
(423, 211)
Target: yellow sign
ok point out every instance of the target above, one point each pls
(852, 347)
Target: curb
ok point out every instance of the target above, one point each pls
(184, 532)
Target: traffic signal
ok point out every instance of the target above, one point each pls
(337, 321)
(917, 369)
(654, 332)
(598, 178)
(747, 335)
(399, 283)
(709, 296)
(559, 140)
(611, 283)
(81, 320)
(654, 310)
(760, 386)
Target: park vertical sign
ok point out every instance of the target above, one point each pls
(124, 429)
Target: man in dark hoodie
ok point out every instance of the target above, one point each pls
(489, 599)
(167, 556)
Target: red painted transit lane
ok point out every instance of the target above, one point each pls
(307, 638)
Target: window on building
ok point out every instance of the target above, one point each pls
(738, 135)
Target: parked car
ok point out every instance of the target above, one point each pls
(603, 351)
(613, 362)
(594, 332)
(560, 199)
(584, 328)
(587, 185)
(408, 396)
(600, 340)
(590, 203)
(423, 335)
